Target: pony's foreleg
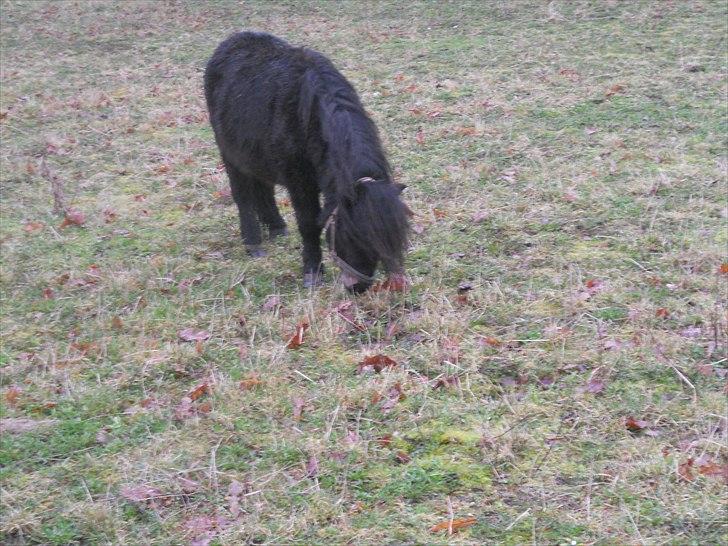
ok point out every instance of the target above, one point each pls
(306, 204)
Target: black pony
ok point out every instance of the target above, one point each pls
(284, 115)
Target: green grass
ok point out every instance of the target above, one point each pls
(575, 153)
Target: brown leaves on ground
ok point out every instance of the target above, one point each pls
(420, 137)
(297, 339)
(191, 334)
(187, 407)
(453, 526)
(447, 381)
(616, 88)
(271, 303)
(376, 363)
(396, 282)
(33, 227)
(639, 425)
(73, 217)
(12, 394)
(145, 495)
(394, 396)
(198, 391)
(298, 404)
(595, 386)
(250, 382)
(662, 313)
(723, 269)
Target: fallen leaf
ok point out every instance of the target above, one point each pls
(711, 468)
(396, 282)
(48, 294)
(595, 386)
(420, 136)
(447, 381)
(312, 467)
(102, 437)
(685, 470)
(723, 269)
(250, 382)
(297, 339)
(140, 493)
(394, 395)
(162, 169)
(480, 216)
(635, 425)
(12, 395)
(453, 526)
(298, 405)
(376, 363)
(464, 287)
(439, 213)
(351, 438)
(662, 313)
(32, 227)
(117, 323)
(402, 457)
(616, 88)
(490, 341)
(691, 332)
(184, 409)
(234, 491)
(271, 302)
(190, 334)
(467, 131)
(198, 391)
(73, 217)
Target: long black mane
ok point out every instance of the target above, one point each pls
(353, 150)
(285, 115)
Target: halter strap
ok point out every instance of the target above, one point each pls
(331, 224)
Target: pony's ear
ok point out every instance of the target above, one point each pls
(400, 187)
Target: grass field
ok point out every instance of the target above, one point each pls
(561, 365)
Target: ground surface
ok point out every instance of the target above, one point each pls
(566, 162)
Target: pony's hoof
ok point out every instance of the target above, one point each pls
(255, 251)
(311, 280)
(278, 232)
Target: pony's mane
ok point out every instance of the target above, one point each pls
(372, 218)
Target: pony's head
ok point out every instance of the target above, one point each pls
(368, 227)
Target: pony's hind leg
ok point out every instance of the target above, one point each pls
(243, 191)
(268, 211)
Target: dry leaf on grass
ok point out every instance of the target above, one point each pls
(73, 217)
(376, 363)
(199, 390)
(453, 526)
(191, 334)
(297, 339)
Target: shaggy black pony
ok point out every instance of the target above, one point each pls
(284, 115)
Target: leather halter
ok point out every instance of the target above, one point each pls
(331, 223)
